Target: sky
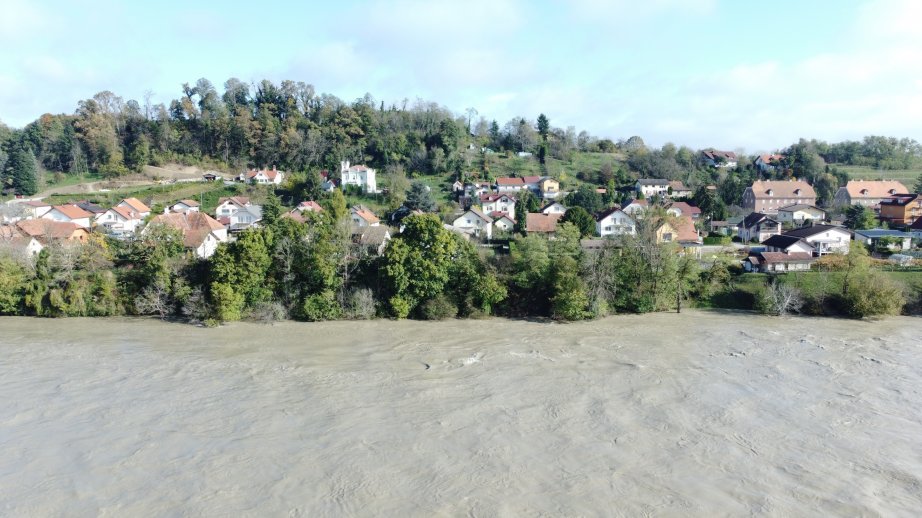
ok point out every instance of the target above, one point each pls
(735, 75)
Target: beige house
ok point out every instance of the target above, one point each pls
(770, 195)
(868, 192)
(798, 213)
(550, 188)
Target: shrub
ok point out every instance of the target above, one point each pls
(361, 304)
(779, 299)
(873, 295)
(321, 306)
(269, 312)
(438, 308)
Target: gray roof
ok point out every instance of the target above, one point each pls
(653, 181)
(875, 233)
(815, 229)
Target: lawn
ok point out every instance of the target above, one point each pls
(907, 176)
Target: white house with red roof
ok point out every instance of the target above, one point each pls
(474, 222)
(360, 175)
(119, 220)
(69, 213)
(185, 206)
(265, 176)
(497, 203)
(362, 216)
(135, 205)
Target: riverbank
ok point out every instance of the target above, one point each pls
(701, 413)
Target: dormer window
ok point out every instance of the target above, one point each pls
(864, 192)
(892, 191)
(770, 192)
(796, 192)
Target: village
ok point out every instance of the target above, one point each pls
(783, 231)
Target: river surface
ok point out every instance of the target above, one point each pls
(698, 414)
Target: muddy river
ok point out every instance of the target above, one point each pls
(698, 414)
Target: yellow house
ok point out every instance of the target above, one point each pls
(550, 188)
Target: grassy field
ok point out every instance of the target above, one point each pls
(156, 195)
(907, 176)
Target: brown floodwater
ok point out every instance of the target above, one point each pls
(698, 414)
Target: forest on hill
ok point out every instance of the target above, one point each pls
(291, 126)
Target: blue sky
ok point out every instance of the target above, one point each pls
(730, 74)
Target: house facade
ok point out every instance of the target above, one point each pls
(677, 189)
(363, 217)
(554, 208)
(359, 175)
(757, 227)
(69, 214)
(901, 209)
(119, 220)
(797, 214)
(767, 196)
(778, 262)
(615, 222)
(265, 176)
(868, 192)
(185, 206)
(652, 187)
(825, 239)
(475, 223)
(549, 188)
(497, 203)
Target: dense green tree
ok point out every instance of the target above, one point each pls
(587, 197)
(581, 219)
(417, 263)
(419, 197)
(22, 171)
(569, 300)
(859, 217)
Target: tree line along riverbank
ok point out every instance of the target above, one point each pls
(314, 271)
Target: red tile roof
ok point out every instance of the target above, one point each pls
(540, 222)
(46, 228)
(874, 188)
(72, 211)
(136, 204)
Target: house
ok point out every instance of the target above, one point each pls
(503, 222)
(32, 209)
(475, 189)
(767, 196)
(92, 208)
(679, 230)
(135, 205)
(652, 187)
(916, 228)
(614, 222)
(774, 262)
(201, 233)
(119, 220)
(497, 203)
(227, 206)
(872, 237)
(757, 227)
(549, 188)
(475, 222)
(12, 239)
(716, 158)
(799, 213)
(362, 216)
(868, 192)
(265, 176)
(185, 206)
(635, 207)
(359, 175)
(767, 162)
(46, 230)
(787, 244)
(825, 239)
(540, 223)
(372, 239)
(69, 213)
(720, 227)
(554, 208)
(681, 208)
(329, 184)
(677, 189)
(457, 187)
(901, 209)
(210, 177)
(510, 185)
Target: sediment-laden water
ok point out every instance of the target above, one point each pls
(699, 414)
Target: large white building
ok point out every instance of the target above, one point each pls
(359, 175)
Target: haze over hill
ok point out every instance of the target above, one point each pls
(694, 72)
